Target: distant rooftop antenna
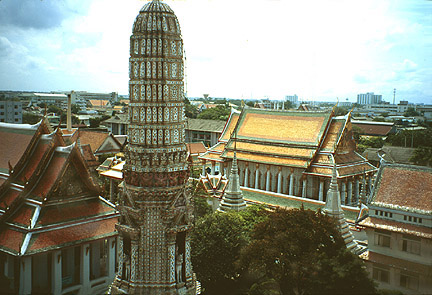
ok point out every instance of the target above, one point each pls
(394, 95)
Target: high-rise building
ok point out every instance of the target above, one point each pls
(10, 111)
(369, 98)
(156, 210)
(293, 99)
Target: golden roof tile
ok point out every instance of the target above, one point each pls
(273, 149)
(267, 159)
(282, 127)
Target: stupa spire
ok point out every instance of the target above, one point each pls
(333, 208)
(232, 198)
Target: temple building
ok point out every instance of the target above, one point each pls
(288, 152)
(399, 229)
(57, 235)
(155, 206)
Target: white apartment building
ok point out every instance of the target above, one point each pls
(369, 98)
(11, 111)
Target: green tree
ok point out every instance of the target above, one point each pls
(75, 109)
(411, 112)
(30, 118)
(411, 138)
(74, 120)
(303, 252)
(250, 103)
(54, 109)
(217, 239)
(422, 156)
(369, 142)
(216, 242)
(288, 105)
(221, 112)
(340, 111)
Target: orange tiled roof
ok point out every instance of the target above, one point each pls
(9, 196)
(23, 215)
(98, 102)
(286, 127)
(355, 169)
(406, 186)
(267, 159)
(15, 140)
(196, 147)
(50, 175)
(219, 147)
(332, 135)
(396, 226)
(11, 240)
(93, 138)
(77, 210)
(42, 147)
(211, 157)
(89, 157)
(56, 239)
(374, 128)
(272, 149)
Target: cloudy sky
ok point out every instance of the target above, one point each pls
(317, 49)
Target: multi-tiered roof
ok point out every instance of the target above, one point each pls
(47, 198)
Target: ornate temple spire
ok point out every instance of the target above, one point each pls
(156, 210)
(232, 198)
(333, 208)
(333, 203)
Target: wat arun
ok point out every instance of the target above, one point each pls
(156, 209)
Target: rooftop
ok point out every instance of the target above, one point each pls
(403, 187)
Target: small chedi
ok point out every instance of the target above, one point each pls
(156, 211)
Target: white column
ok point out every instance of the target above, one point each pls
(291, 184)
(350, 188)
(257, 178)
(246, 177)
(213, 165)
(203, 168)
(343, 193)
(356, 190)
(321, 191)
(56, 276)
(111, 190)
(111, 257)
(279, 182)
(95, 258)
(304, 188)
(85, 269)
(268, 180)
(25, 275)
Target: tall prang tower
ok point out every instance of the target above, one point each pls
(156, 210)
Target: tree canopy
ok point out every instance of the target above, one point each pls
(255, 251)
(411, 112)
(221, 112)
(304, 253)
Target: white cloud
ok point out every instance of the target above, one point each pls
(316, 49)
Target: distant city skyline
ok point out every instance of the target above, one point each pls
(319, 50)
